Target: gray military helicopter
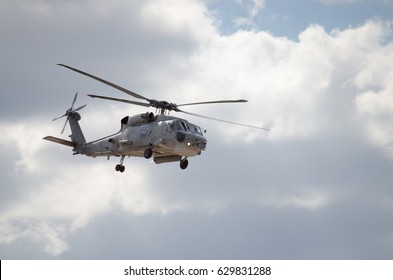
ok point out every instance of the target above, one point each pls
(163, 137)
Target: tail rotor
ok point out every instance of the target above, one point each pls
(69, 112)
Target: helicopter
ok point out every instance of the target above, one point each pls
(163, 137)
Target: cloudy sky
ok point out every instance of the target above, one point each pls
(318, 73)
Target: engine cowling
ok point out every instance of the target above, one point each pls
(137, 119)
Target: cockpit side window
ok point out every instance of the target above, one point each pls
(178, 125)
(181, 125)
(169, 126)
(185, 125)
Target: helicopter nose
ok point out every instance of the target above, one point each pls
(202, 144)
(199, 142)
(192, 145)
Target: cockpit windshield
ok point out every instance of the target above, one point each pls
(195, 129)
(185, 126)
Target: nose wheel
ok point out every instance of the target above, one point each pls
(120, 167)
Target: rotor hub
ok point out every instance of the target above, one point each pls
(163, 105)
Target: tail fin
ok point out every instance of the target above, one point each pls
(77, 136)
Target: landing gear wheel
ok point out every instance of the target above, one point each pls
(120, 168)
(184, 163)
(148, 153)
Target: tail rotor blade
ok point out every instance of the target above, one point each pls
(59, 117)
(69, 112)
(65, 124)
(73, 101)
(79, 108)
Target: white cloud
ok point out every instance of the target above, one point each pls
(374, 103)
(376, 111)
(188, 18)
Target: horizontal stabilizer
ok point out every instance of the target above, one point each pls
(59, 141)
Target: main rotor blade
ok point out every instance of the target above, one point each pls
(224, 121)
(105, 82)
(120, 100)
(213, 102)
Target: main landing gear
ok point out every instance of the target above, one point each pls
(148, 153)
(120, 167)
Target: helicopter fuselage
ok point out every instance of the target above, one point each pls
(162, 137)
